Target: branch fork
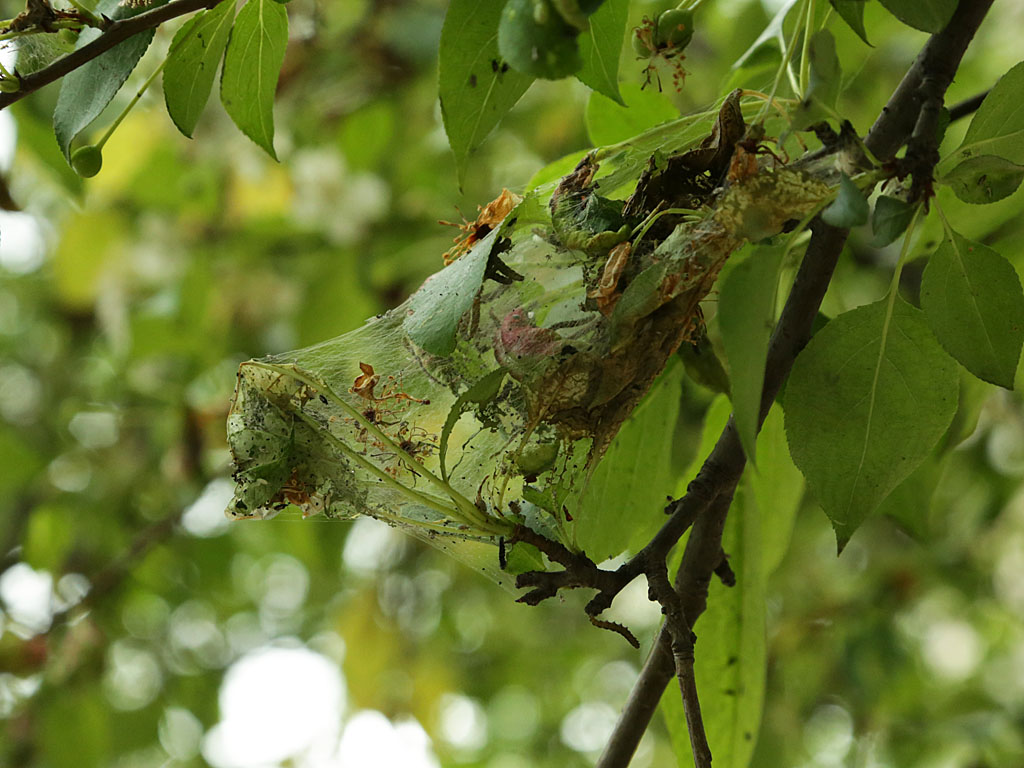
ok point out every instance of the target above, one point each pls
(580, 571)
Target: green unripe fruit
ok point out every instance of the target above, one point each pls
(675, 29)
(537, 458)
(87, 161)
(10, 84)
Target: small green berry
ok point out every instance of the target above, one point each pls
(675, 29)
(534, 459)
(10, 84)
(87, 161)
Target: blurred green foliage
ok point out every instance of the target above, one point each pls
(128, 300)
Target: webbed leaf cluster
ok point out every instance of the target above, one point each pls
(590, 301)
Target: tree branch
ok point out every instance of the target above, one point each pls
(968, 106)
(923, 148)
(580, 571)
(939, 60)
(682, 639)
(117, 32)
(941, 57)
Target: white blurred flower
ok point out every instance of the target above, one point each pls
(333, 200)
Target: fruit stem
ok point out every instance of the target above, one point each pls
(805, 61)
(784, 68)
(130, 105)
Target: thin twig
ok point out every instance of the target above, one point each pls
(117, 32)
(661, 591)
(967, 107)
(580, 571)
(661, 662)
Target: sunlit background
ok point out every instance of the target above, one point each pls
(139, 628)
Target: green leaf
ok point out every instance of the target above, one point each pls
(826, 75)
(890, 219)
(910, 503)
(609, 123)
(192, 64)
(852, 12)
(824, 84)
(482, 391)
(252, 64)
(998, 127)
(973, 301)
(984, 179)
(974, 393)
(86, 91)
(778, 485)
(849, 209)
(621, 506)
(926, 15)
(550, 499)
(439, 304)
(867, 400)
(730, 652)
(715, 419)
(476, 86)
(778, 488)
(637, 301)
(601, 47)
(773, 31)
(555, 170)
(702, 363)
(537, 41)
(746, 313)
